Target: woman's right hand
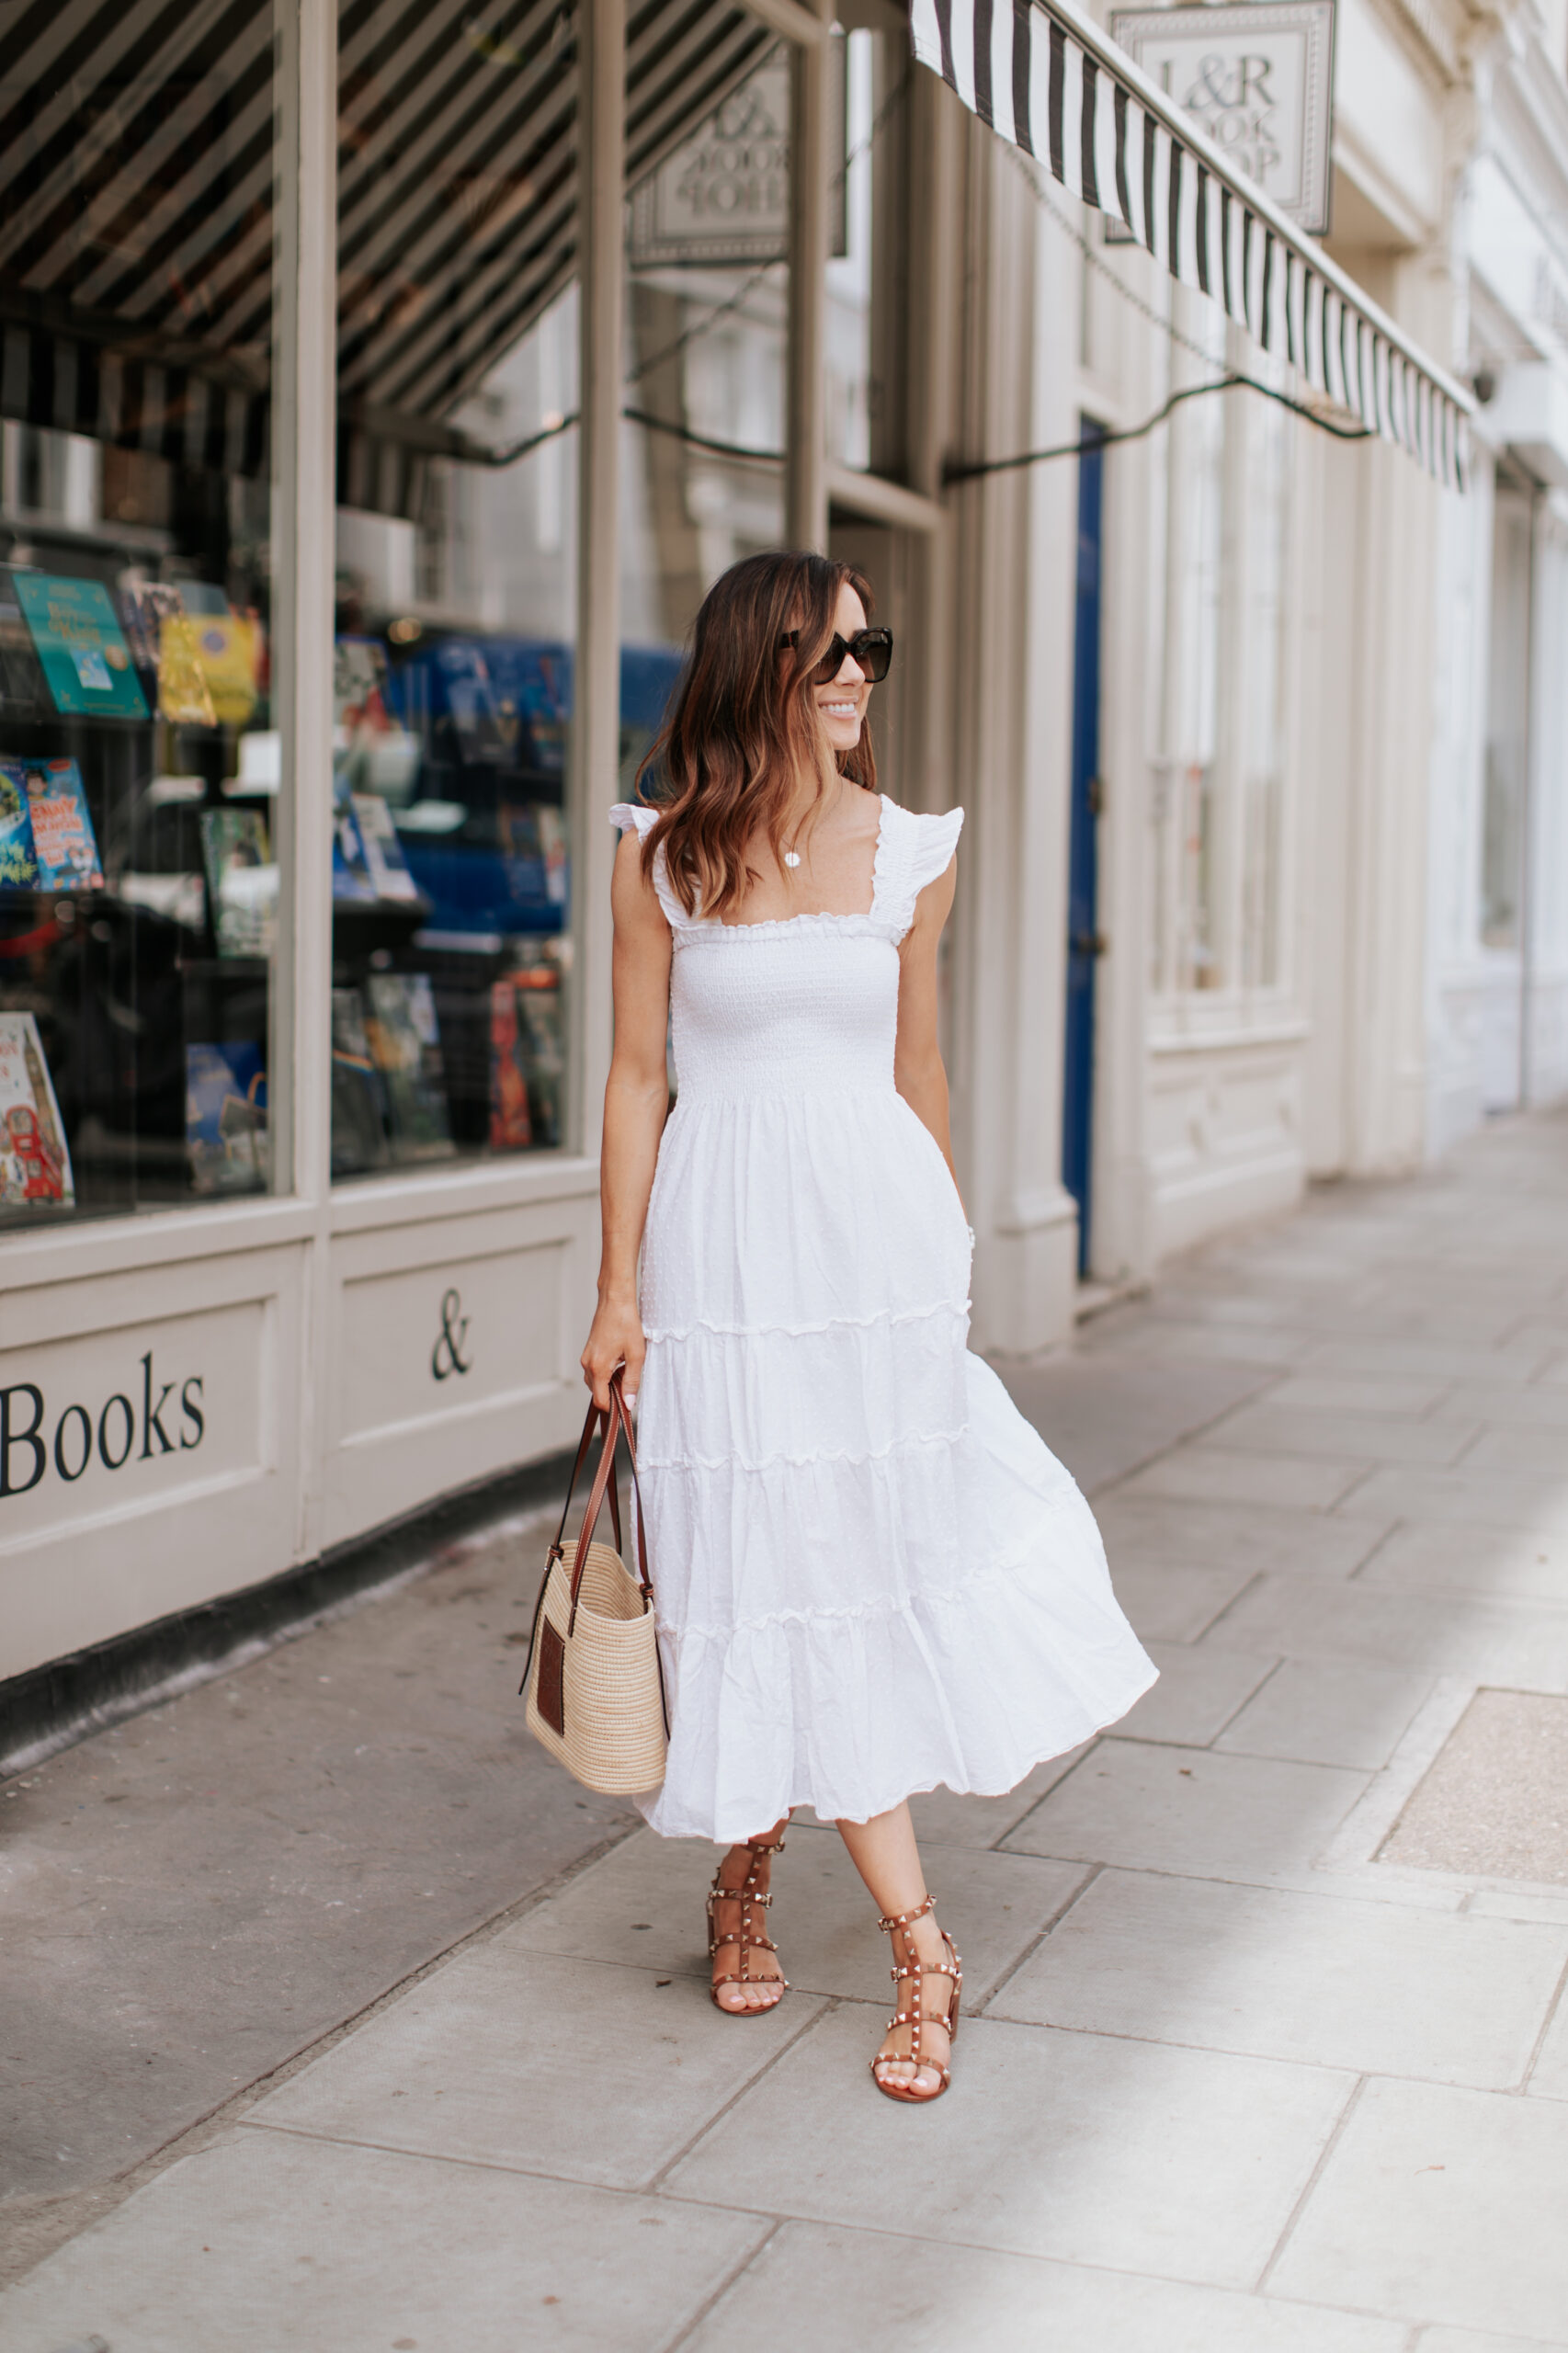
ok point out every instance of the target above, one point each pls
(615, 1339)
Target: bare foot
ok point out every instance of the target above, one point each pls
(921, 1944)
(763, 1985)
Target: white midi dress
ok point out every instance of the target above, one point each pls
(872, 1577)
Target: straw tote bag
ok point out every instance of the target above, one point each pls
(596, 1691)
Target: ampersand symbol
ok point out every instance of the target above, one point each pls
(447, 1357)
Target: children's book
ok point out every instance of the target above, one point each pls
(241, 880)
(86, 659)
(350, 867)
(406, 1044)
(158, 632)
(19, 860)
(383, 851)
(35, 1163)
(225, 650)
(527, 1059)
(225, 1117)
(359, 1091)
(511, 1130)
(65, 850)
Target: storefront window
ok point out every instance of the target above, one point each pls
(140, 764)
(1220, 798)
(707, 230)
(866, 304)
(456, 553)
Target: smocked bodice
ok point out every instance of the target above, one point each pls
(808, 1005)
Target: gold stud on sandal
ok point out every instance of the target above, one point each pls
(746, 1895)
(915, 2017)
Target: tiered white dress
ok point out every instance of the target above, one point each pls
(870, 1574)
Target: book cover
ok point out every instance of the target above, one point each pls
(406, 1044)
(19, 860)
(35, 1163)
(242, 882)
(511, 1130)
(542, 1043)
(158, 634)
(225, 1117)
(383, 851)
(63, 842)
(23, 694)
(86, 659)
(226, 652)
(359, 1091)
(350, 867)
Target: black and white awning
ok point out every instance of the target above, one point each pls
(137, 168)
(1046, 78)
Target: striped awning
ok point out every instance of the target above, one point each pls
(136, 211)
(1046, 77)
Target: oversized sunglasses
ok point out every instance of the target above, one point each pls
(872, 649)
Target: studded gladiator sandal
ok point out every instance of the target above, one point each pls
(915, 2015)
(746, 1895)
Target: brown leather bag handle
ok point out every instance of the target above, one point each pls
(617, 1425)
(596, 1414)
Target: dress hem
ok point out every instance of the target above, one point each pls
(647, 1802)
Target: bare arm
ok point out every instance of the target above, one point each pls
(636, 1099)
(917, 1059)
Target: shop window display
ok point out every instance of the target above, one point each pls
(139, 764)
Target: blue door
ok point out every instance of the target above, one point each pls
(1084, 942)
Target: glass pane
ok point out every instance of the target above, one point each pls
(140, 767)
(866, 294)
(707, 226)
(1507, 723)
(1194, 633)
(457, 552)
(1262, 686)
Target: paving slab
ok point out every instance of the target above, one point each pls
(1176, 1604)
(644, 1906)
(845, 2290)
(1315, 1715)
(1103, 1418)
(1486, 1639)
(269, 2242)
(1213, 1475)
(1548, 2077)
(1513, 1448)
(1509, 1405)
(1440, 2205)
(199, 1892)
(1134, 1331)
(1328, 1979)
(1161, 1532)
(547, 2065)
(943, 1817)
(1472, 2340)
(1197, 1695)
(1530, 1564)
(1489, 1498)
(1495, 1799)
(1367, 1358)
(1272, 1428)
(1182, 2163)
(1153, 1806)
(1319, 1393)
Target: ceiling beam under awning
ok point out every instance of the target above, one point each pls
(1046, 78)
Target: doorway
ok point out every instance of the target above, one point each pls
(1084, 945)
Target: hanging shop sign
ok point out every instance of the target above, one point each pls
(723, 195)
(1260, 80)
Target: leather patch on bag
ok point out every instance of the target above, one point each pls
(553, 1679)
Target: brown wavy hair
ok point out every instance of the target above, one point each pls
(744, 726)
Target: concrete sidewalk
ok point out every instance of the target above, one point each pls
(1264, 2046)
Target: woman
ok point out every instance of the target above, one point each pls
(870, 1575)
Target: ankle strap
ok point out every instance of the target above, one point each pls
(904, 1918)
(762, 1846)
